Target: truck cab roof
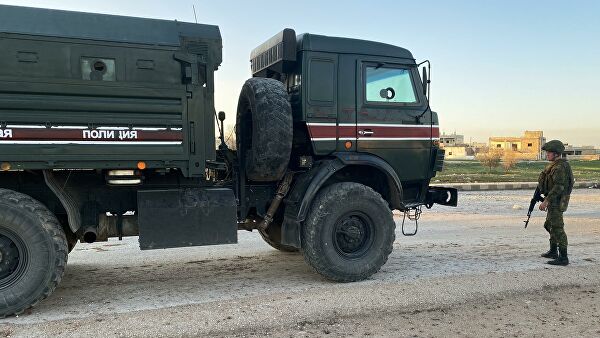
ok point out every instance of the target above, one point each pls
(279, 53)
(329, 44)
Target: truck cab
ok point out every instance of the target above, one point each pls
(364, 104)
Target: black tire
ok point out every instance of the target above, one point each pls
(264, 129)
(34, 252)
(349, 232)
(273, 237)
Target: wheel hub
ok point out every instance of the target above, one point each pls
(10, 259)
(353, 235)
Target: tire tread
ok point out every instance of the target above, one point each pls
(310, 249)
(51, 225)
(272, 129)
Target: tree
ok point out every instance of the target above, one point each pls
(230, 137)
(491, 159)
(509, 160)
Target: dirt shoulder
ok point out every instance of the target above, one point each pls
(562, 311)
(544, 302)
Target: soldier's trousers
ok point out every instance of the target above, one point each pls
(556, 227)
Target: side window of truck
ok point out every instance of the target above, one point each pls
(322, 81)
(389, 85)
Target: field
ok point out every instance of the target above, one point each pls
(526, 171)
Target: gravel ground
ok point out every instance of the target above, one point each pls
(471, 270)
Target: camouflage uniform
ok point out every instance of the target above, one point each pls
(556, 183)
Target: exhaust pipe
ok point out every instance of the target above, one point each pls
(90, 235)
(111, 226)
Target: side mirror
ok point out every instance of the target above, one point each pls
(425, 81)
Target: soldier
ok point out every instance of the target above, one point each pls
(556, 183)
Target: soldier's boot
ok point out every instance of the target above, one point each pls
(553, 252)
(562, 259)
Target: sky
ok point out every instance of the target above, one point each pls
(498, 67)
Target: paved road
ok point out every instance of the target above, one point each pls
(476, 251)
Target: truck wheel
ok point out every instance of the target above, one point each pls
(273, 238)
(33, 252)
(349, 232)
(264, 129)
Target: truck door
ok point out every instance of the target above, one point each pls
(390, 118)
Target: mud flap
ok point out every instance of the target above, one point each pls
(186, 217)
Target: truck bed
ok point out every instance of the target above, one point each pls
(90, 91)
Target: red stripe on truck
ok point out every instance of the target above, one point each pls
(66, 134)
(331, 131)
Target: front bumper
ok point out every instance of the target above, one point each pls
(442, 196)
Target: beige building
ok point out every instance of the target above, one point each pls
(459, 153)
(527, 147)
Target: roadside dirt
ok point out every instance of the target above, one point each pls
(472, 269)
(565, 311)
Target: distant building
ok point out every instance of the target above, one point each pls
(451, 140)
(478, 145)
(459, 153)
(527, 147)
(457, 149)
(581, 152)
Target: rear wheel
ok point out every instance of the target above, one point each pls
(349, 232)
(33, 252)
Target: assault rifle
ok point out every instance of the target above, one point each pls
(537, 197)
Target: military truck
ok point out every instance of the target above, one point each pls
(108, 129)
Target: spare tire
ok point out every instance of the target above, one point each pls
(264, 129)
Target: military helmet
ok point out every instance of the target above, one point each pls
(554, 146)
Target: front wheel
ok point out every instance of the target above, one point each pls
(349, 232)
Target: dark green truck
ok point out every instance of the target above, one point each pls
(107, 129)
